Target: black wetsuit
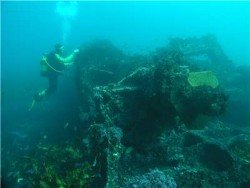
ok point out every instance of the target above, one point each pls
(52, 76)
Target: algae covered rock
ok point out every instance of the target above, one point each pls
(240, 146)
(154, 178)
(139, 109)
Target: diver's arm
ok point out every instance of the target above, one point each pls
(65, 60)
(69, 59)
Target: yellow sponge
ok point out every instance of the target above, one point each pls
(204, 78)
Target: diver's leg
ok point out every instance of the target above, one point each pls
(38, 97)
(53, 80)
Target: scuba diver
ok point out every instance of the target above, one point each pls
(52, 65)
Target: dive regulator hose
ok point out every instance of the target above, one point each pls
(45, 60)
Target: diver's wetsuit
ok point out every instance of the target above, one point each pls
(53, 80)
(52, 77)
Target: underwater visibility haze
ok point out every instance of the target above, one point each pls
(125, 94)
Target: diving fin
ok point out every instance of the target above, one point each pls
(32, 105)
